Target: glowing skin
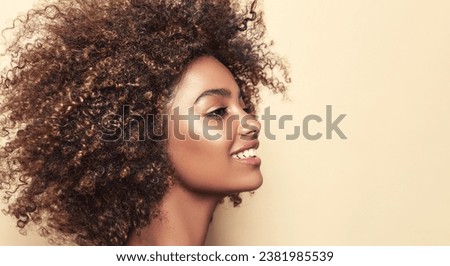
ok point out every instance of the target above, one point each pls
(203, 163)
(207, 168)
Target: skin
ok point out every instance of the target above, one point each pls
(205, 170)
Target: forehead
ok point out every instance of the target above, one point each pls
(203, 74)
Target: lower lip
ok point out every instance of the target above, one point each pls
(251, 161)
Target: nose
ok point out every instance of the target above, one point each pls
(249, 127)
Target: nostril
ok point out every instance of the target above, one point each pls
(251, 127)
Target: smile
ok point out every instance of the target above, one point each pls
(245, 154)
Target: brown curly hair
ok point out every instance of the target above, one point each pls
(73, 63)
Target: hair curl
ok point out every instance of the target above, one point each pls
(73, 63)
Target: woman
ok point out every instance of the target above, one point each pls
(127, 122)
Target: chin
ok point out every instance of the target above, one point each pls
(257, 184)
(240, 183)
(250, 183)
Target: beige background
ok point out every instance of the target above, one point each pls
(384, 63)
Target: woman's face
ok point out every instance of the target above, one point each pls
(212, 139)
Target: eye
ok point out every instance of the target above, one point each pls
(217, 113)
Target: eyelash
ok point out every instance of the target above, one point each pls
(218, 113)
(222, 112)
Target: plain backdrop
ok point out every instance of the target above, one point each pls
(386, 65)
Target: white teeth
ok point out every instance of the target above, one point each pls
(245, 154)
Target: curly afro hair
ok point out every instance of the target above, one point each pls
(73, 63)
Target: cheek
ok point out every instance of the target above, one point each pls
(200, 162)
(205, 165)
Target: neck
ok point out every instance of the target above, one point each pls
(184, 220)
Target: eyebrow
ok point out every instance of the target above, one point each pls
(212, 92)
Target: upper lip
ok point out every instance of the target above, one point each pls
(249, 145)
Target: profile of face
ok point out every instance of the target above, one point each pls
(97, 170)
(212, 137)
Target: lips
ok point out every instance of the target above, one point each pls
(247, 153)
(246, 150)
